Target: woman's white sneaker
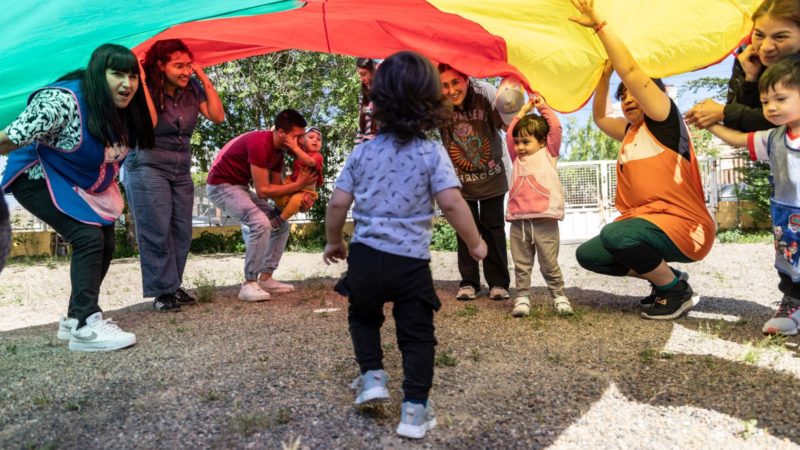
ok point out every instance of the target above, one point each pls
(100, 335)
(65, 327)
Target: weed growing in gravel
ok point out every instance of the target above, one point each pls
(749, 428)
(292, 445)
(775, 343)
(248, 424)
(204, 288)
(468, 311)
(42, 400)
(387, 346)
(648, 355)
(445, 359)
(752, 355)
(208, 396)
(713, 330)
(475, 355)
(75, 405)
(554, 358)
(173, 321)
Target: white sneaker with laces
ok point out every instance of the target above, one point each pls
(252, 292)
(100, 335)
(274, 286)
(65, 327)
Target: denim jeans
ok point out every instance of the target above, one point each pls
(263, 247)
(160, 193)
(92, 246)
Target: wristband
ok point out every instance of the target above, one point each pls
(599, 26)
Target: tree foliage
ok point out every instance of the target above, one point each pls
(322, 87)
(587, 143)
(718, 87)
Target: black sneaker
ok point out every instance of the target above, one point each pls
(650, 299)
(184, 298)
(672, 303)
(166, 303)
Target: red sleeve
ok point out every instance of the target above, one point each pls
(751, 146)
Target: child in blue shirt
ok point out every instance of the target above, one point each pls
(394, 180)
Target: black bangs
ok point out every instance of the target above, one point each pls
(124, 61)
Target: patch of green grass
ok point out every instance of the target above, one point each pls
(52, 445)
(445, 359)
(11, 349)
(468, 311)
(738, 236)
(776, 343)
(248, 424)
(204, 288)
(649, 355)
(475, 355)
(749, 428)
(208, 396)
(42, 400)
(713, 329)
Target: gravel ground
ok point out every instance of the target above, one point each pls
(228, 374)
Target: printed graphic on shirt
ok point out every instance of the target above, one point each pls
(471, 149)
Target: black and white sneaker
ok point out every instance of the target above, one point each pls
(184, 298)
(671, 304)
(650, 299)
(166, 303)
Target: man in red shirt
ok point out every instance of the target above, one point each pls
(257, 158)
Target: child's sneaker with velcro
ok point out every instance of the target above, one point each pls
(416, 419)
(370, 387)
(787, 320)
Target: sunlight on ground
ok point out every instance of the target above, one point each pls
(758, 353)
(629, 418)
(713, 316)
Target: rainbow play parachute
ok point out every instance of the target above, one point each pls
(532, 39)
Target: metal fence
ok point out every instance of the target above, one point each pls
(588, 185)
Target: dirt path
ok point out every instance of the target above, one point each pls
(230, 374)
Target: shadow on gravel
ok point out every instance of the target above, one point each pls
(234, 374)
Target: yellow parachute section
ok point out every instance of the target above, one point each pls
(563, 60)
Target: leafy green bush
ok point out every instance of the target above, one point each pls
(218, 243)
(312, 241)
(444, 237)
(738, 236)
(758, 189)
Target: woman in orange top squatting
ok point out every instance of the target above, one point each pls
(659, 193)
